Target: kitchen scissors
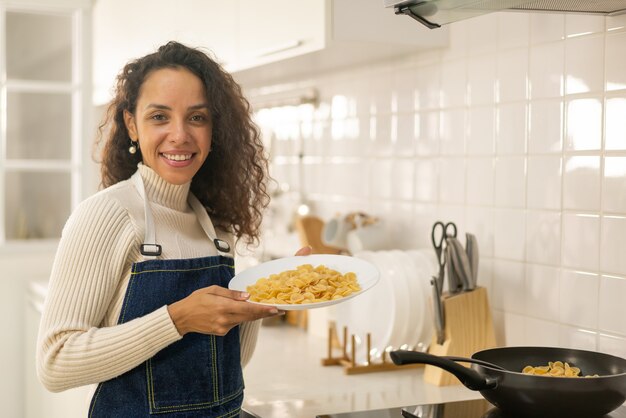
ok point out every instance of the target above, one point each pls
(438, 236)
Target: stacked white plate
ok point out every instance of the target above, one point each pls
(369, 313)
(396, 311)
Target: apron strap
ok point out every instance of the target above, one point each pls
(150, 249)
(205, 221)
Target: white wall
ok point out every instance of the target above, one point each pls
(517, 133)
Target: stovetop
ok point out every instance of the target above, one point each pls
(464, 409)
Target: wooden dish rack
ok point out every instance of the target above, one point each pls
(469, 328)
(348, 360)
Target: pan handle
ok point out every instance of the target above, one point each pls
(470, 378)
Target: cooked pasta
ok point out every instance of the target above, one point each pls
(305, 284)
(555, 369)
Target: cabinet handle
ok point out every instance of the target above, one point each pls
(275, 49)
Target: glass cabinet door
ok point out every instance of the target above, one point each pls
(39, 125)
(43, 103)
(39, 46)
(37, 204)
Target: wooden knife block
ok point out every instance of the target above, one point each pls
(468, 329)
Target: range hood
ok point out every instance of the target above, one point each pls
(434, 13)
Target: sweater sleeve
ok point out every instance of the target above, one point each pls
(248, 334)
(74, 349)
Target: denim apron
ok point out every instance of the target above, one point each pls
(197, 376)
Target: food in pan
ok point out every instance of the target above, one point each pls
(555, 369)
(305, 284)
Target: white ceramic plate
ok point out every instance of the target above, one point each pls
(395, 273)
(367, 275)
(374, 313)
(416, 299)
(426, 263)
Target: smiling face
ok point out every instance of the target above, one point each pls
(172, 123)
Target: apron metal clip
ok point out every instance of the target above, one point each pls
(221, 245)
(151, 250)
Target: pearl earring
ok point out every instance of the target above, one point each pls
(133, 147)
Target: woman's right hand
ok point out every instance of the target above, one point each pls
(216, 310)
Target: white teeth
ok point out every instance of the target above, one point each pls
(177, 157)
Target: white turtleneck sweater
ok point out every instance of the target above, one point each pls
(79, 340)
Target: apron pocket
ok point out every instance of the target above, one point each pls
(184, 376)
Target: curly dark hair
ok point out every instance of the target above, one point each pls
(232, 182)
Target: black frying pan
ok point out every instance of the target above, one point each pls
(500, 380)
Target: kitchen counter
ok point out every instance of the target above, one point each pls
(285, 378)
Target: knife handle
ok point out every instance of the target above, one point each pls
(438, 314)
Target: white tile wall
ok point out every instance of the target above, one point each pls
(583, 125)
(543, 237)
(582, 54)
(546, 27)
(579, 300)
(511, 128)
(544, 180)
(542, 285)
(546, 70)
(517, 132)
(581, 241)
(545, 126)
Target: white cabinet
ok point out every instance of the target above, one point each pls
(255, 40)
(43, 115)
(273, 30)
(125, 30)
(39, 403)
(323, 35)
(277, 29)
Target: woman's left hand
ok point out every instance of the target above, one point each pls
(215, 310)
(305, 250)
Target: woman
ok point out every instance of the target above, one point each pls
(138, 299)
